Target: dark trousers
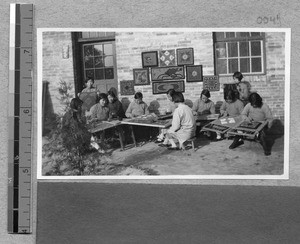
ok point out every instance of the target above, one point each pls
(264, 139)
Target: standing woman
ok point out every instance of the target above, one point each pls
(183, 124)
(243, 87)
(88, 95)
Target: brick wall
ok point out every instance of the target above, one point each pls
(130, 45)
(270, 86)
(55, 67)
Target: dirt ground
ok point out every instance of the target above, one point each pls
(210, 158)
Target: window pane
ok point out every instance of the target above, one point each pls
(245, 65)
(233, 65)
(98, 50)
(255, 34)
(244, 49)
(243, 34)
(88, 62)
(255, 48)
(109, 73)
(99, 74)
(232, 49)
(222, 66)
(85, 34)
(108, 61)
(219, 35)
(99, 62)
(89, 73)
(229, 34)
(256, 65)
(88, 51)
(221, 50)
(108, 50)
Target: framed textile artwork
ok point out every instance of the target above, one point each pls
(167, 58)
(163, 87)
(89, 99)
(149, 59)
(211, 83)
(141, 77)
(127, 87)
(185, 56)
(167, 73)
(194, 73)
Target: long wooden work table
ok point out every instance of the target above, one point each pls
(211, 122)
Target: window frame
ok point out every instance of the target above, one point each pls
(238, 40)
(114, 66)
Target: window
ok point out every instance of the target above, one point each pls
(239, 51)
(98, 61)
(95, 57)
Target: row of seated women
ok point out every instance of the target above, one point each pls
(109, 107)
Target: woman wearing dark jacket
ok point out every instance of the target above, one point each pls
(116, 110)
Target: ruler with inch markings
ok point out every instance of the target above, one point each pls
(20, 118)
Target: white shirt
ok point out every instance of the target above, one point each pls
(183, 123)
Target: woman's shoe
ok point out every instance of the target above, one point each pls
(159, 140)
(173, 148)
(236, 144)
(164, 145)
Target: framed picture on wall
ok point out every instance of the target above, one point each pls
(163, 87)
(211, 83)
(149, 59)
(141, 77)
(194, 73)
(185, 56)
(127, 87)
(167, 73)
(167, 58)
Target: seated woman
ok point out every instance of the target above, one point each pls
(100, 112)
(116, 110)
(183, 124)
(137, 107)
(204, 105)
(74, 133)
(232, 106)
(170, 108)
(256, 111)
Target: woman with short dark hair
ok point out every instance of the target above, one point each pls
(256, 111)
(183, 124)
(137, 107)
(116, 110)
(204, 105)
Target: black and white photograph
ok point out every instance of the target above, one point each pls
(89, 129)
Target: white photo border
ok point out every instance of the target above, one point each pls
(284, 176)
